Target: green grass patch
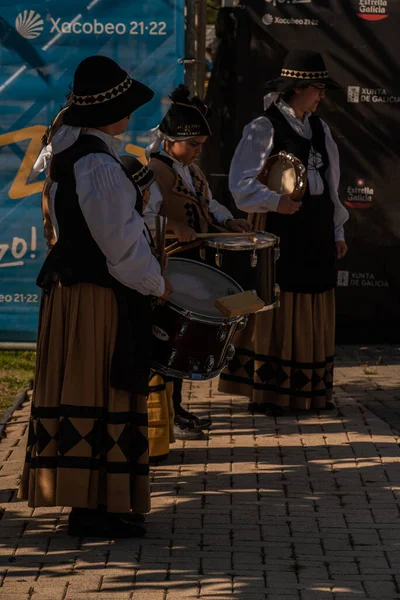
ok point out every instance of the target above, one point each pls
(17, 369)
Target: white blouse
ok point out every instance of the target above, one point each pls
(253, 150)
(107, 200)
(220, 212)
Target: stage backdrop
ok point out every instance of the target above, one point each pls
(41, 45)
(361, 45)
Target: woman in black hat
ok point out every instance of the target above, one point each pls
(181, 192)
(284, 358)
(87, 445)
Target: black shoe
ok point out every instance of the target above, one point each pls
(156, 460)
(266, 408)
(204, 423)
(328, 406)
(88, 523)
(186, 430)
(131, 517)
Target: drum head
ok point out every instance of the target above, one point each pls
(258, 241)
(197, 286)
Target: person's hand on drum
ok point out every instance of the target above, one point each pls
(238, 225)
(183, 232)
(286, 205)
(168, 289)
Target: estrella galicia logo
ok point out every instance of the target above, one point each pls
(29, 24)
(373, 10)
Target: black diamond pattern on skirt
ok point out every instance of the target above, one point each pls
(266, 372)
(109, 443)
(328, 377)
(249, 368)
(316, 379)
(132, 443)
(31, 435)
(69, 436)
(42, 437)
(299, 379)
(95, 437)
(280, 375)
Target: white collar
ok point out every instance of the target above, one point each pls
(174, 160)
(67, 135)
(288, 111)
(113, 143)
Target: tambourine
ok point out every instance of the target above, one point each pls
(285, 174)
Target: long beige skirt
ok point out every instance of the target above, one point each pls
(285, 356)
(87, 443)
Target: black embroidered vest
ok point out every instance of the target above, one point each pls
(180, 203)
(76, 258)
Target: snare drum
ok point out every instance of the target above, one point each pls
(191, 338)
(251, 262)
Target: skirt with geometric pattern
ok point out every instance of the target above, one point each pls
(285, 356)
(87, 442)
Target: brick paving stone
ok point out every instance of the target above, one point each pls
(7, 596)
(98, 596)
(15, 587)
(302, 507)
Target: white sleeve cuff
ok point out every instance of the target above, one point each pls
(273, 201)
(161, 288)
(339, 234)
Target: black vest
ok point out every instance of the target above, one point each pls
(76, 258)
(308, 253)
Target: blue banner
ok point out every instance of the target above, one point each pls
(41, 45)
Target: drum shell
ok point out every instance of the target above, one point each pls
(183, 343)
(262, 277)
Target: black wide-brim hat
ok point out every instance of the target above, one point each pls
(301, 67)
(140, 174)
(103, 94)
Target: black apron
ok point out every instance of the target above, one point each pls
(307, 262)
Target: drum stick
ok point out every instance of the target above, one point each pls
(158, 234)
(174, 250)
(182, 248)
(162, 243)
(205, 236)
(171, 247)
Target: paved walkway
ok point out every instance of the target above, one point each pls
(303, 507)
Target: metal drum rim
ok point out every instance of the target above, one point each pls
(178, 374)
(221, 245)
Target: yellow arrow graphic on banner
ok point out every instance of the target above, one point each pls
(19, 188)
(137, 151)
